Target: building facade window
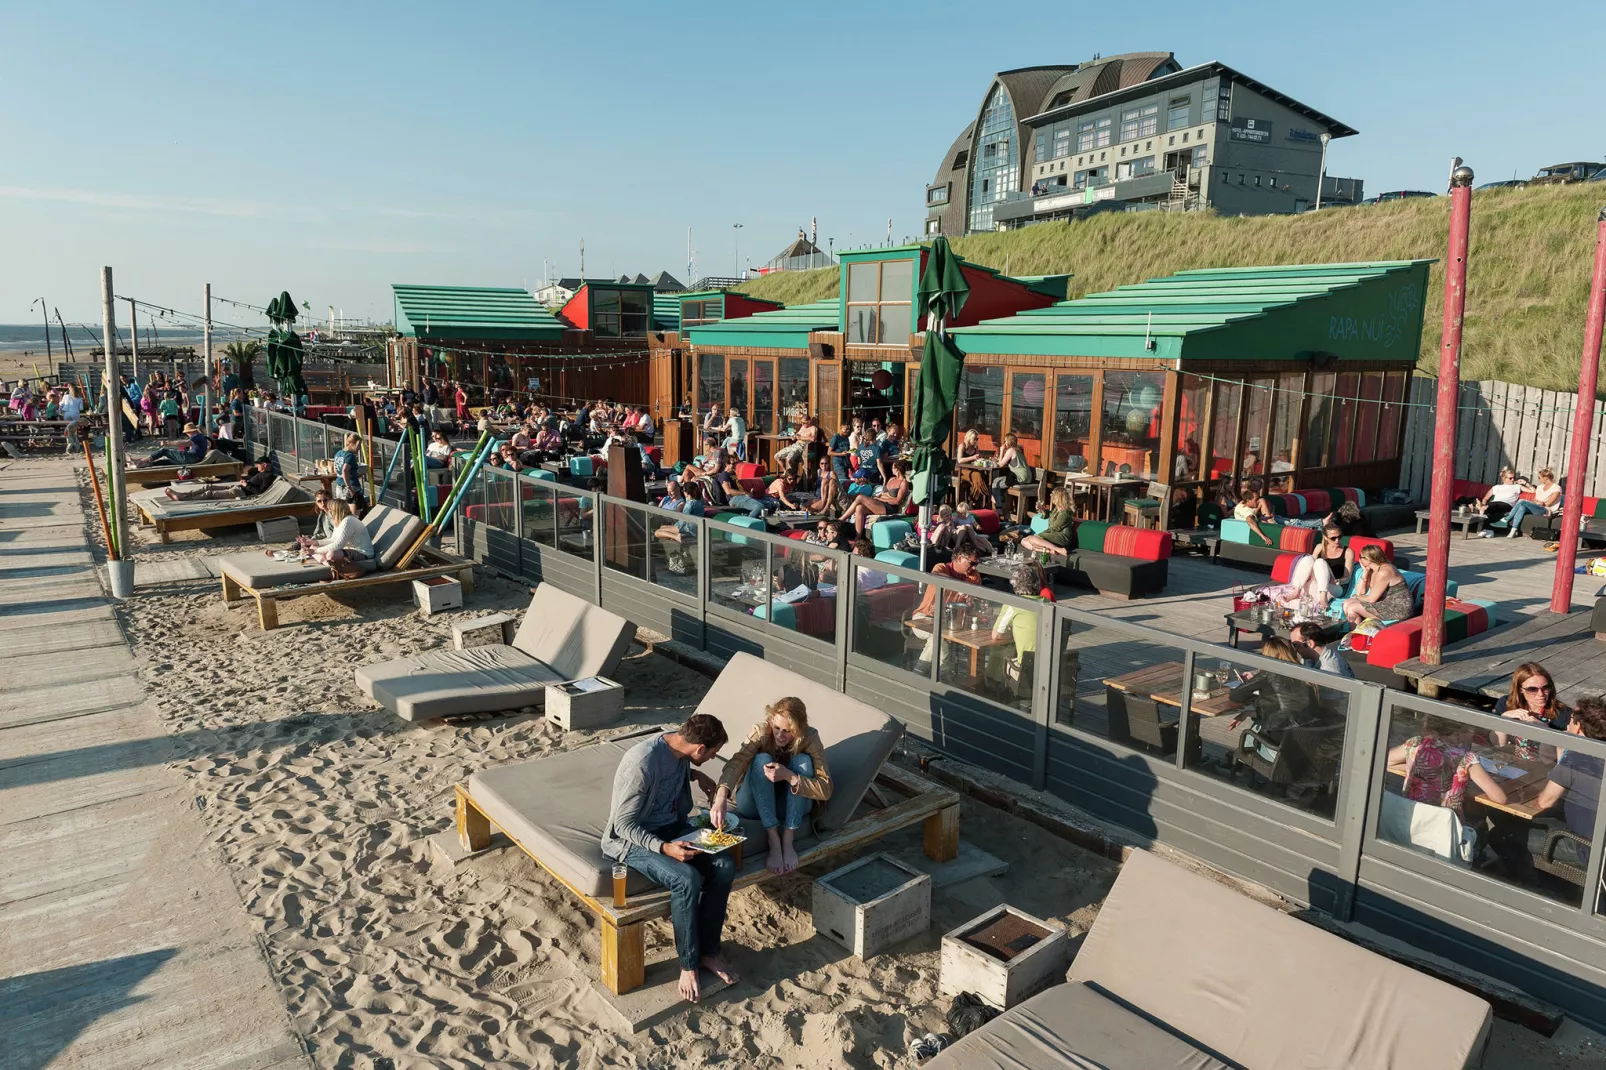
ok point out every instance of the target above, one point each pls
(995, 176)
(1177, 113)
(619, 313)
(880, 302)
(1142, 121)
(937, 196)
(934, 226)
(1084, 136)
(709, 310)
(1224, 102)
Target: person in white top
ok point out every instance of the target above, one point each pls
(1546, 502)
(350, 541)
(438, 454)
(1500, 500)
(72, 407)
(736, 434)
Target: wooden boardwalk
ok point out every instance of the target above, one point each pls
(122, 942)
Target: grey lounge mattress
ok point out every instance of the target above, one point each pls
(444, 683)
(1072, 1027)
(258, 570)
(160, 506)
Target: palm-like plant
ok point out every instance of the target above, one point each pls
(241, 354)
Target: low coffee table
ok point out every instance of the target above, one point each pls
(999, 567)
(1248, 620)
(1464, 520)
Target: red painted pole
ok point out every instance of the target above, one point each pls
(1572, 509)
(1449, 392)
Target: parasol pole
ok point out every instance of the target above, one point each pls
(447, 507)
(100, 504)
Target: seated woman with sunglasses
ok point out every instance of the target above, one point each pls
(1532, 701)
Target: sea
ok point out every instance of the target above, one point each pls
(15, 336)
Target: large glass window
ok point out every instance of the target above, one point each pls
(1190, 429)
(981, 404)
(1343, 436)
(1028, 396)
(794, 387)
(1224, 430)
(1316, 448)
(762, 418)
(880, 302)
(1130, 443)
(1084, 136)
(738, 391)
(710, 380)
(877, 390)
(1073, 422)
(1139, 122)
(1388, 424)
(1257, 421)
(1285, 428)
(999, 161)
(619, 313)
(1103, 128)
(1176, 116)
(1366, 418)
(708, 310)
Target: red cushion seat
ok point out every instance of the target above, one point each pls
(987, 521)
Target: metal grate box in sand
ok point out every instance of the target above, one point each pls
(581, 705)
(869, 905)
(1003, 956)
(281, 529)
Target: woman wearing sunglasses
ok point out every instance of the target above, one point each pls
(1532, 701)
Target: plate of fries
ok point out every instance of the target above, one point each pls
(714, 841)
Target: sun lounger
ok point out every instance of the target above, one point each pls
(1179, 971)
(554, 808)
(215, 465)
(268, 581)
(281, 499)
(561, 638)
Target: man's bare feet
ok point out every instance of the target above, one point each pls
(689, 989)
(717, 966)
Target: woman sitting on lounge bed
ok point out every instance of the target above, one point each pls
(791, 776)
(350, 544)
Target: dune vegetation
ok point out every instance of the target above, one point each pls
(1527, 280)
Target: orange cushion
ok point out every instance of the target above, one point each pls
(1298, 540)
(1137, 542)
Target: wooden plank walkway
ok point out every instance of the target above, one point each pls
(123, 944)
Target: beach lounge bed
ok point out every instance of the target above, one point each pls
(561, 638)
(554, 808)
(1180, 971)
(283, 498)
(268, 582)
(225, 468)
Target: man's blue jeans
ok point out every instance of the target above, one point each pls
(170, 455)
(698, 892)
(759, 798)
(752, 506)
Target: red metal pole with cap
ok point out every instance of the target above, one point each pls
(1448, 396)
(1572, 506)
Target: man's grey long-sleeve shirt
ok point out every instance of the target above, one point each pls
(651, 790)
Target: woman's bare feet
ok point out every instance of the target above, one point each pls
(717, 966)
(788, 852)
(689, 988)
(776, 863)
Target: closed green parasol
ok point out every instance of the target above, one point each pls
(284, 346)
(943, 292)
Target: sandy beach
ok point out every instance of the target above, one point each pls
(320, 807)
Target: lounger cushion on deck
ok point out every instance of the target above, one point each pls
(1072, 1027)
(257, 570)
(159, 505)
(561, 638)
(393, 532)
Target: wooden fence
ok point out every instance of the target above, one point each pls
(1499, 424)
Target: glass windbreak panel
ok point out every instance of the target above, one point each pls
(1257, 421)
(1366, 418)
(1343, 436)
(1224, 430)
(1268, 732)
(710, 381)
(1515, 810)
(989, 649)
(883, 604)
(498, 508)
(804, 592)
(626, 534)
(862, 281)
(539, 505)
(1073, 422)
(1315, 446)
(1190, 428)
(762, 418)
(736, 576)
(310, 443)
(794, 391)
(1119, 688)
(877, 390)
(1285, 432)
(1130, 443)
(1388, 423)
(1028, 393)
(898, 281)
(981, 404)
(738, 389)
(575, 516)
(673, 549)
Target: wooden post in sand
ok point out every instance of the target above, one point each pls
(206, 366)
(114, 412)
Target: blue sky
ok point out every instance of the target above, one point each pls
(332, 149)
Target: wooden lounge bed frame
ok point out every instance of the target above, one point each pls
(150, 477)
(428, 564)
(245, 514)
(623, 929)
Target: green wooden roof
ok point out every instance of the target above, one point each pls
(491, 312)
(786, 328)
(1363, 311)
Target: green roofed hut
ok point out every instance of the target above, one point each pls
(1295, 376)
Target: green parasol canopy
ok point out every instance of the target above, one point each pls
(943, 292)
(284, 346)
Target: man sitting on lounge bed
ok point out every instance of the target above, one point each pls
(180, 451)
(254, 482)
(651, 802)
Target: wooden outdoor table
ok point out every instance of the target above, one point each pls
(1464, 519)
(973, 483)
(1106, 488)
(327, 479)
(978, 641)
(1163, 683)
(1522, 792)
(1483, 665)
